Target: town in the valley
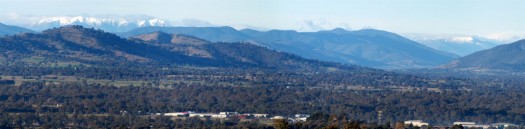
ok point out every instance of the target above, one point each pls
(411, 124)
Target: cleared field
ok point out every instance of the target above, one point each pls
(71, 79)
(34, 59)
(68, 79)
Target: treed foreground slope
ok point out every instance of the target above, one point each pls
(92, 106)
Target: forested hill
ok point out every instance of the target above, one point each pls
(368, 47)
(78, 45)
(90, 53)
(232, 53)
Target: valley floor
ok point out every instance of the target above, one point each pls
(96, 97)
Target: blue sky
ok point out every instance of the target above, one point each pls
(475, 17)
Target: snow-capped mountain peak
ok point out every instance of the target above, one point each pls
(461, 39)
(156, 22)
(454, 43)
(63, 20)
(118, 24)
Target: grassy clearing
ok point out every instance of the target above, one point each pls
(33, 59)
(119, 83)
(64, 64)
(71, 79)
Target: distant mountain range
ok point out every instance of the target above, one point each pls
(198, 46)
(371, 48)
(110, 24)
(461, 45)
(213, 34)
(509, 57)
(78, 45)
(10, 30)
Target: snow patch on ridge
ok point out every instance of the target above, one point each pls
(112, 24)
(69, 20)
(464, 39)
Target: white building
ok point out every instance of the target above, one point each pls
(301, 117)
(211, 115)
(178, 114)
(219, 116)
(477, 126)
(471, 125)
(464, 123)
(229, 113)
(278, 117)
(503, 125)
(418, 123)
(258, 115)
